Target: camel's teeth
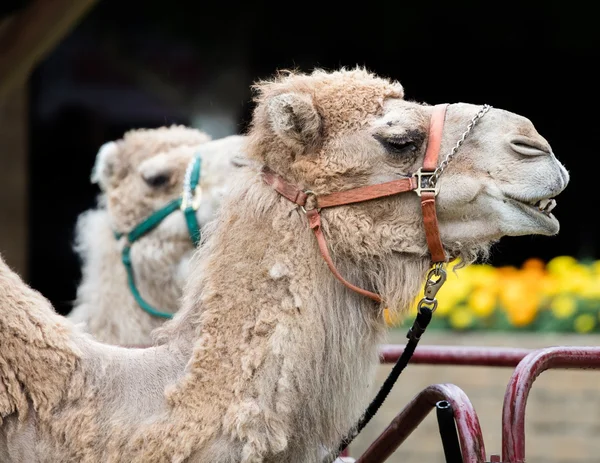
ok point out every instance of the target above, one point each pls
(542, 204)
(551, 205)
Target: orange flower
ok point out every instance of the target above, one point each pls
(520, 302)
(534, 264)
(525, 314)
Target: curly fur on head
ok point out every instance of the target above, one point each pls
(306, 109)
(115, 158)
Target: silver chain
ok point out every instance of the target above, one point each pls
(436, 174)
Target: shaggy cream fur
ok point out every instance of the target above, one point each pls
(270, 358)
(105, 306)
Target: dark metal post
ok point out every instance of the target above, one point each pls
(445, 417)
(467, 424)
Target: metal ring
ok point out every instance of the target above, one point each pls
(308, 193)
(425, 302)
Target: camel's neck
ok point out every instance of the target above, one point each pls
(104, 301)
(275, 332)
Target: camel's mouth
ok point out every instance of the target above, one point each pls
(545, 205)
(540, 210)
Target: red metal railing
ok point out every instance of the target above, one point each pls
(467, 423)
(517, 391)
(457, 355)
(529, 365)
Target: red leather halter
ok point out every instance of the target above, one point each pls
(417, 183)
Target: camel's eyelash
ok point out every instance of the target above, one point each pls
(409, 141)
(399, 146)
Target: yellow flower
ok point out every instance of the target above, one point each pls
(550, 285)
(563, 306)
(455, 289)
(584, 323)
(461, 318)
(577, 279)
(592, 289)
(444, 307)
(482, 302)
(481, 276)
(561, 264)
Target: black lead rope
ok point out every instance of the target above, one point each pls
(425, 310)
(414, 336)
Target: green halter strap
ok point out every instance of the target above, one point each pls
(188, 202)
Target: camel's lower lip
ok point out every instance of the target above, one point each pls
(545, 218)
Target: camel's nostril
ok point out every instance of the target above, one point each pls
(529, 146)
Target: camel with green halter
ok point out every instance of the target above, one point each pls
(158, 188)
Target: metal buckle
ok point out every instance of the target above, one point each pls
(197, 196)
(432, 286)
(423, 182)
(191, 199)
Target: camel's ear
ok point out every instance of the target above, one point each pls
(105, 165)
(294, 117)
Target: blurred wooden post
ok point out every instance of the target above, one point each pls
(29, 35)
(13, 179)
(26, 37)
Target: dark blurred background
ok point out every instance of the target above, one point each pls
(151, 63)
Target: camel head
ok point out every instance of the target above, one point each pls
(140, 173)
(144, 170)
(143, 174)
(328, 132)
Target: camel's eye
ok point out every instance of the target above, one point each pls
(401, 144)
(156, 181)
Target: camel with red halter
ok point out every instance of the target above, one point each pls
(272, 355)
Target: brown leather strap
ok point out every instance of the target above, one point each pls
(340, 198)
(365, 193)
(314, 221)
(436, 127)
(286, 189)
(432, 230)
